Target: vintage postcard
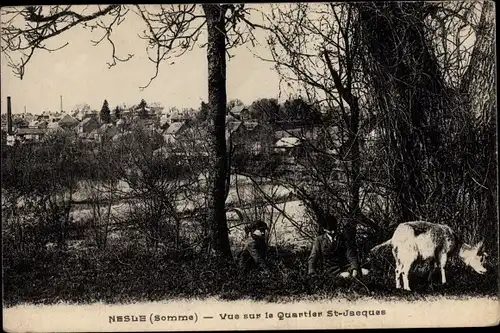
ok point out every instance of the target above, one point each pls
(277, 166)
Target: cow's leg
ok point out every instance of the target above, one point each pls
(432, 273)
(398, 276)
(407, 257)
(443, 258)
(405, 270)
(397, 269)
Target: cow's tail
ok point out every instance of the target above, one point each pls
(385, 244)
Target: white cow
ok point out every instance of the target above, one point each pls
(424, 240)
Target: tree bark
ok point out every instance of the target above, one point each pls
(216, 56)
(410, 80)
(479, 46)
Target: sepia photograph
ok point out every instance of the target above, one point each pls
(249, 166)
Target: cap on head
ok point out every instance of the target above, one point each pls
(257, 225)
(330, 224)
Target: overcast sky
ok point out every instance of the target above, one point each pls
(79, 72)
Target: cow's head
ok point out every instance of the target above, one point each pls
(475, 257)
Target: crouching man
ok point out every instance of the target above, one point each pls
(253, 254)
(335, 254)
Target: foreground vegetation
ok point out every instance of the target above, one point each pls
(127, 274)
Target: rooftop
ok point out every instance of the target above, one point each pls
(288, 142)
(238, 108)
(174, 128)
(30, 131)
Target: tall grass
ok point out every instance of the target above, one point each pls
(127, 272)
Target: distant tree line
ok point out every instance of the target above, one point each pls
(294, 112)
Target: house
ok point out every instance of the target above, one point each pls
(236, 131)
(87, 125)
(44, 116)
(68, 122)
(78, 114)
(91, 114)
(150, 111)
(175, 131)
(54, 127)
(162, 152)
(164, 121)
(156, 109)
(126, 113)
(56, 117)
(287, 144)
(137, 110)
(104, 133)
(238, 138)
(250, 134)
(29, 134)
(37, 124)
(251, 125)
(259, 137)
(176, 128)
(20, 123)
(289, 148)
(296, 132)
(146, 123)
(80, 111)
(174, 115)
(240, 112)
(121, 136)
(310, 133)
(121, 124)
(27, 116)
(50, 117)
(85, 136)
(195, 140)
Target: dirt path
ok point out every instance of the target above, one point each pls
(212, 314)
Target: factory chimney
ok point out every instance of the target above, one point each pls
(9, 116)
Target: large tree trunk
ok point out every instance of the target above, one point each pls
(477, 55)
(410, 81)
(216, 55)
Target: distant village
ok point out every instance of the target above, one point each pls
(87, 123)
(172, 124)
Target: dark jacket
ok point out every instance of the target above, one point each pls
(253, 255)
(336, 255)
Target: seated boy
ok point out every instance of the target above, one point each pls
(335, 253)
(253, 254)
